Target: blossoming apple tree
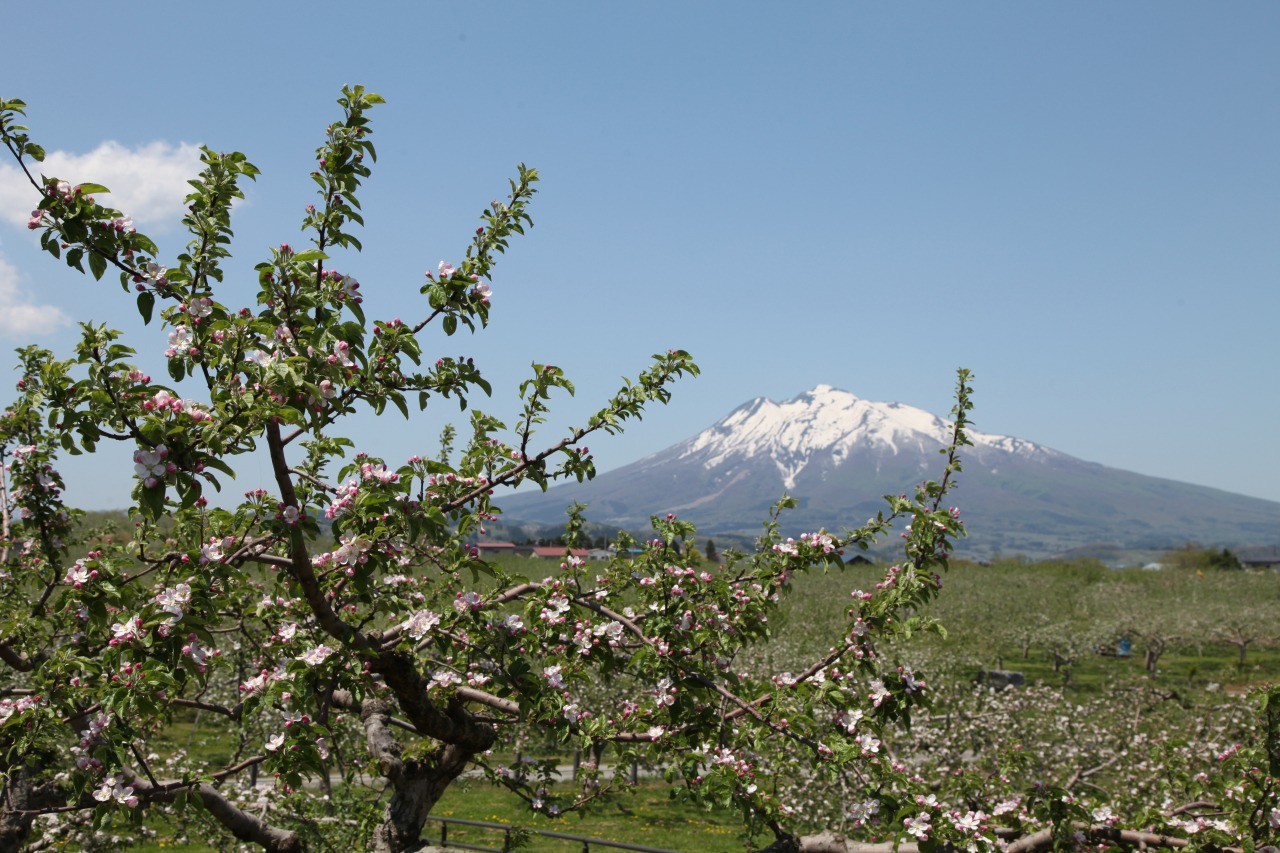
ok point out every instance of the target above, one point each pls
(336, 616)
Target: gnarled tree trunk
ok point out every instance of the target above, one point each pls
(23, 791)
(418, 783)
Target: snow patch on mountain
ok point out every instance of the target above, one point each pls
(828, 422)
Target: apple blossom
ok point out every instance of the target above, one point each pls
(918, 826)
(316, 655)
(420, 623)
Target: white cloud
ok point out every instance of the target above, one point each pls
(19, 317)
(147, 183)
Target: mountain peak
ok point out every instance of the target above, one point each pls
(824, 424)
(837, 454)
(824, 394)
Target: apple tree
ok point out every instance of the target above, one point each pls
(336, 616)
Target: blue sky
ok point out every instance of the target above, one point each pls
(1078, 201)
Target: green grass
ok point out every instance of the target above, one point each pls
(989, 611)
(206, 737)
(646, 816)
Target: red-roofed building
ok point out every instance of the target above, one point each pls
(494, 549)
(555, 552)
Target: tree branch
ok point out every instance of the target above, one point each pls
(300, 559)
(238, 822)
(1043, 840)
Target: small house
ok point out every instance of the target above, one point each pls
(555, 552)
(495, 549)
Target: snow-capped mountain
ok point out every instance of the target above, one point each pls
(838, 454)
(828, 426)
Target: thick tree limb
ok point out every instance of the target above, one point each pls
(344, 700)
(381, 742)
(483, 698)
(14, 658)
(238, 822)
(451, 724)
(1043, 840)
(300, 560)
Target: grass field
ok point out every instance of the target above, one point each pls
(1019, 613)
(647, 817)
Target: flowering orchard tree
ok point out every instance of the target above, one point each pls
(359, 667)
(389, 651)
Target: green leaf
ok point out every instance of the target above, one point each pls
(214, 462)
(89, 189)
(153, 501)
(310, 255)
(146, 303)
(189, 490)
(97, 265)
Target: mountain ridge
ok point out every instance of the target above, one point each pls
(838, 454)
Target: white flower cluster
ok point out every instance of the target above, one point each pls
(116, 788)
(150, 465)
(419, 623)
